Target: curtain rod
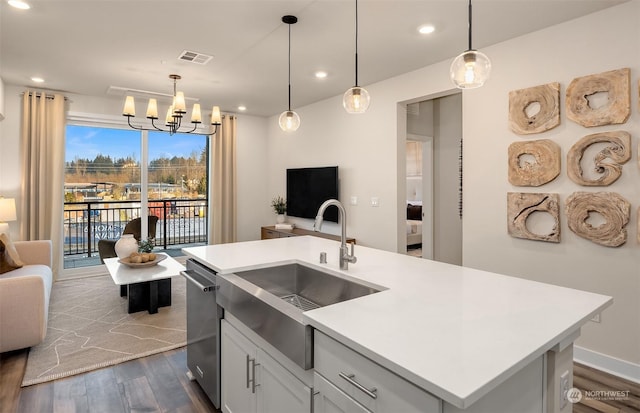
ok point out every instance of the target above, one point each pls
(41, 94)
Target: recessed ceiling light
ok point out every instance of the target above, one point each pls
(37, 79)
(321, 74)
(426, 29)
(19, 4)
(242, 108)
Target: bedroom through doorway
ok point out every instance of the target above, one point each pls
(434, 179)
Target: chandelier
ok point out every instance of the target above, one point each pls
(175, 113)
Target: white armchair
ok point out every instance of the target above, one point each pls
(24, 297)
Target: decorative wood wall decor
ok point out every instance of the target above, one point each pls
(545, 169)
(615, 83)
(611, 206)
(608, 162)
(521, 205)
(548, 117)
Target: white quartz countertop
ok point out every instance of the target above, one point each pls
(453, 331)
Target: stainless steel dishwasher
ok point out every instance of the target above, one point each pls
(203, 328)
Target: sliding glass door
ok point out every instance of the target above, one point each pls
(111, 173)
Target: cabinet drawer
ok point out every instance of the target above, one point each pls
(375, 387)
(269, 233)
(328, 398)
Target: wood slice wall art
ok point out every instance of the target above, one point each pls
(548, 116)
(612, 207)
(521, 205)
(608, 161)
(617, 110)
(544, 168)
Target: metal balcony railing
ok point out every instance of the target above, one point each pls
(180, 222)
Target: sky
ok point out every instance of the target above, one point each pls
(86, 142)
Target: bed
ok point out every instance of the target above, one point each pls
(414, 223)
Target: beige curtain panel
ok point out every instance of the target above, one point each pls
(222, 185)
(42, 140)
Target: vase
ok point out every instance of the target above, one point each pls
(280, 218)
(126, 245)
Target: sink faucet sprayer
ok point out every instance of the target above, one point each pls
(345, 257)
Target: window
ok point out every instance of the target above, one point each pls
(103, 189)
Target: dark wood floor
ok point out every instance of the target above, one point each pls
(159, 384)
(156, 383)
(589, 379)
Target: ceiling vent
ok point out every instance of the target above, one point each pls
(194, 57)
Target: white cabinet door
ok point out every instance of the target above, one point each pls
(254, 382)
(330, 399)
(238, 355)
(278, 390)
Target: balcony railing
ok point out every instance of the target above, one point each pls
(180, 222)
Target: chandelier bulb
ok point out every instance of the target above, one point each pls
(196, 115)
(152, 109)
(129, 107)
(179, 104)
(216, 119)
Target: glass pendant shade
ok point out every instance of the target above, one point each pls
(470, 69)
(289, 121)
(356, 100)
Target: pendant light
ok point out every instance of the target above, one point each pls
(356, 99)
(471, 68)
(289, 120)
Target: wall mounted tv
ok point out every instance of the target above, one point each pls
(308, 188)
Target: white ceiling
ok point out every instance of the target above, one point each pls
(88, 46)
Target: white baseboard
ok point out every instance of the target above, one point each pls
(612, 365)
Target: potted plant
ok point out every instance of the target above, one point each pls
(279, 205)
(146, 246)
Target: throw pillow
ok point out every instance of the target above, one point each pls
(10, 253)
(5, 265)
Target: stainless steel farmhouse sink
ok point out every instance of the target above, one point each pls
(271, 300)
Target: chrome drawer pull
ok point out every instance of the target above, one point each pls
(205, 288)
(253, 374)
(350, 378)
(247, 364)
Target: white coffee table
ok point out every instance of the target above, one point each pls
(147, 288)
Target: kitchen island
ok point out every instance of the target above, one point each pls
(472, 339)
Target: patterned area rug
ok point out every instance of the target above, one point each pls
(89, 328)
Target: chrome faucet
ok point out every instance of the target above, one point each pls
(345, 257)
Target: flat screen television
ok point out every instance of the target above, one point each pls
(308, 188)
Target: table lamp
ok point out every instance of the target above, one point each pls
(7, 213)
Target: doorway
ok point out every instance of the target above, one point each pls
(434, 179)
